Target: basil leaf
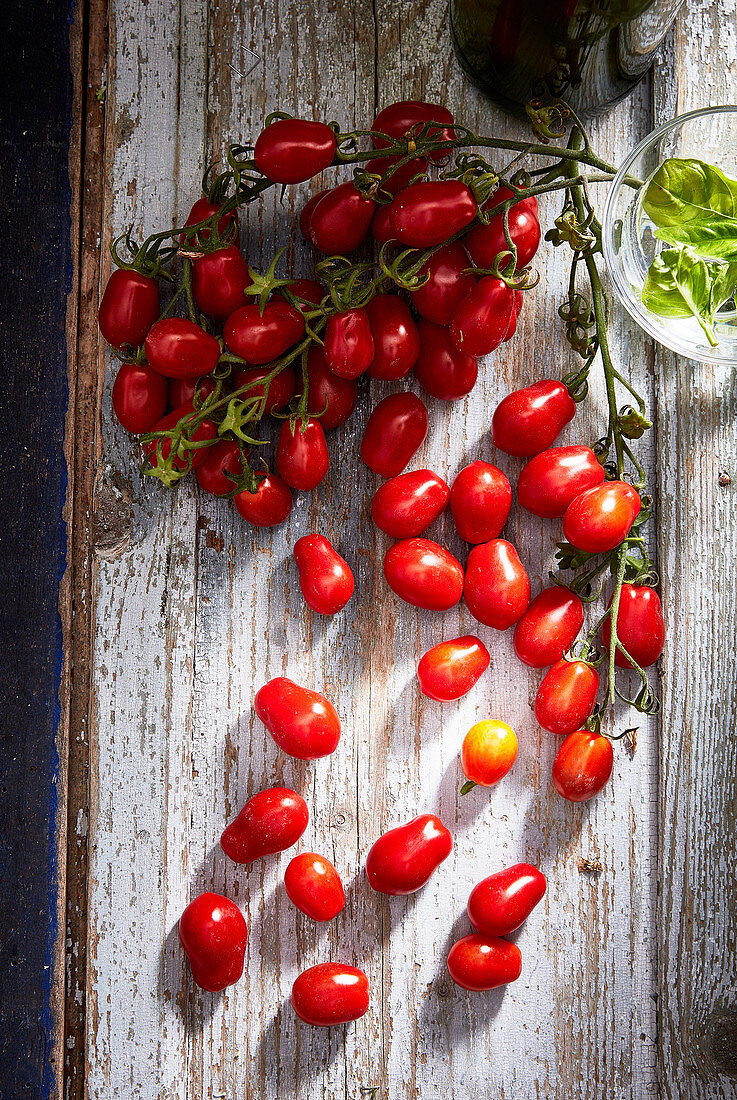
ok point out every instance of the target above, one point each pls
(693, 203)
(681, 284)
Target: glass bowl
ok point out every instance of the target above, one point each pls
(628, 241)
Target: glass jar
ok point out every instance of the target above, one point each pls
(588, 52)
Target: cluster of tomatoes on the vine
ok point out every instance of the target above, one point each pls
(233, 361)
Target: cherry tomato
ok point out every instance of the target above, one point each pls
(407, 117)
(302, 454)
(395, 335)
(406, 505)
(424, 574)
(314, 886)
(486, 242)
(502, 902)
(220, 461)
(640, 626)
(529, 420)
(394, 432)
(292, 150)
(497, 588)
(426, 214)
(441, 369)
(308, 292)
(488, 751)
(401, 177)
(207, 430)
(566, 696)
(552, 479)
(214, 933)
(329, 994)
(177, 348)
(302, 722)
(305, 217)
(402, 860)
(272, 821)
(449, 282)
(140, 396)
(480, 500)
(269, 505)
(261, 338)
(183, 390)
(480, 321)
(203, 209)
(129, 307)
(348, 343)
(282, 386)
(340, 220)
(381, 229)
(332, 397)
(598, 519)
(325, 578)
(219, 280)
(549, 627)
(450, 669)
(479, 962)
(583, 765)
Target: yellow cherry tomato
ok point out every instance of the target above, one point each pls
(488, 752)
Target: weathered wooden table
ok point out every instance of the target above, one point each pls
(177, 612)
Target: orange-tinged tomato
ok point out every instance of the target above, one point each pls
(488, 752)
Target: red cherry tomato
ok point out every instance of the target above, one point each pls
(330, 994)
(598, 519)
(348, 343)
(442, 370)
(488, 752)
(381, 229)
(497, 588)
(402, 860)
(449, 282)
(220, 461)
(529, 420)
(640, 626)
(269, 505)
(486, 242)
(219, 280)
(140, 396)
(207, 430)
(261, 338)
(325, 578)
(314, 886)
(450, 669)
(302, 722)
(426, 214)
(182, 390)
(552, 479)
(332, 397)
(129, 307)
(395, 335)
(394, 432)
(177, 348)
(424, 574)
(201, 211)
(480, 500)
(481, 962)
(213, 933)
(549, 627)
(480, 321)
(406, 505)
(406, 119)
(583, 765)
(566, 696)
(502, 902)
(291, 150)
(401, 177)
(340, 220)
(272, 821)
(308, 292)
(302, 454)
(305, 218)
(282, 386)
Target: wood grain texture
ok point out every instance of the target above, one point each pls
(192, 612)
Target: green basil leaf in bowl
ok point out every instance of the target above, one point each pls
(680, 283)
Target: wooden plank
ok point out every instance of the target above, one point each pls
(697, 434)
